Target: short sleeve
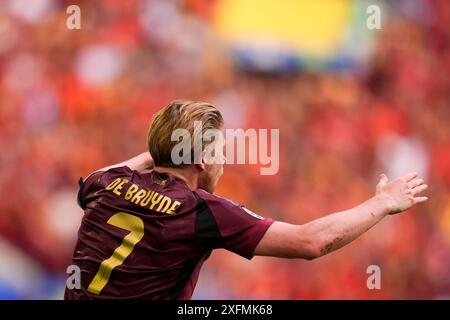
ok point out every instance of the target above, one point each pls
(92, 183)
(225, 224)
(96, 182)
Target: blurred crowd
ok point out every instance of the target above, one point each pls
(72, 101)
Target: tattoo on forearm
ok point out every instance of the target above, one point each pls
(326, 249)
(330, 246)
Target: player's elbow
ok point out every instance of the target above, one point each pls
(311, 253)
(312, 256)
(305, 254)
(309, 248)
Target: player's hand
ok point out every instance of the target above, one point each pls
(401, 193)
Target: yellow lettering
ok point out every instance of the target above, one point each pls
(131, 191)
(156, 199)
(147, 199)
(119, 187)
(167, 201)
(113, 184)
(174, 207)
(138, 196)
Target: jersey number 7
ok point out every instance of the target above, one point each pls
(136, 227)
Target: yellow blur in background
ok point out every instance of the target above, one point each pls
(310, 27)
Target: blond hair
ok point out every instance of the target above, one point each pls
(179, 114)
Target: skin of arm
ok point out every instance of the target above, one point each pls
(324, 235)
(142, 163)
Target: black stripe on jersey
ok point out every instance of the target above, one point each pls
(183, 278)
(205, 224)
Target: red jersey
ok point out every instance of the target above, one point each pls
(146, 236)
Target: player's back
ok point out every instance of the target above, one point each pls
(146, 236)
(138, 227)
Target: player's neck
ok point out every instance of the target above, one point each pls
(190, 177)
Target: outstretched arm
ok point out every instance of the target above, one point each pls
(324, 235)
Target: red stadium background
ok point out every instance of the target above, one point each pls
(350, 103)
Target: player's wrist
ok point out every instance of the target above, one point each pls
(383, 204)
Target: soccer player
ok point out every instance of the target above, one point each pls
(149, 224)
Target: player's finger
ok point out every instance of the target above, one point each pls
(420, 199)
(415, 182)
(383, 180)
(381, 183)
(408, 177)
(419, 189)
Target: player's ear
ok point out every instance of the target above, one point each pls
(202, 163)
(200, 166)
